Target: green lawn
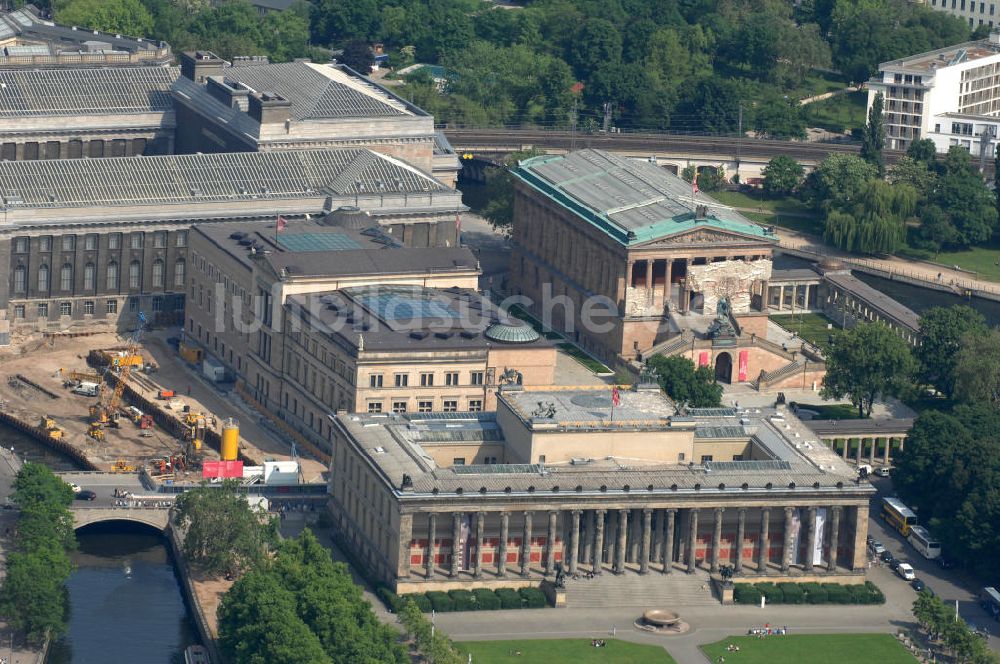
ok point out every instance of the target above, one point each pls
(576, 651)
(759, 200)
(811, 648)
(839, 113)
(984, 261)
(833, 411)
(583, 358)
(811, 225)
(811, 327)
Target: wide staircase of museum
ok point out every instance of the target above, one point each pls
(632, 589)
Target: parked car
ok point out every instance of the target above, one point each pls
(878, 547)
(76, 487)
(905, 570)
(918, 585)
(86, 495)
(893, 564)
(887, 557)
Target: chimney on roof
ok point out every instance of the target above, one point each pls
(228, 91)
(199, 65)
(269, 108)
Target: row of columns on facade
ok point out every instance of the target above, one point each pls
(886, 451)
(662, 556)
(794, 295)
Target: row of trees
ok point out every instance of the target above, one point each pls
(674, 65)
(941, 624)
(924, 202)
(34, 598)
(300, 606)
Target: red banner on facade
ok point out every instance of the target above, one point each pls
(744, 365)
(703, 359)
(222, 469)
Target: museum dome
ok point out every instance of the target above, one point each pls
(511, 333)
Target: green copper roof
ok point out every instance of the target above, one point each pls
(632, 201)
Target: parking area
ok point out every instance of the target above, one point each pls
(951, 585)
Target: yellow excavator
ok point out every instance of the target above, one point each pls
(122, 466)
(48, 425)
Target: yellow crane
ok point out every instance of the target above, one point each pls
(105, 411)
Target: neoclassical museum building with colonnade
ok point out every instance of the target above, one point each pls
(561, 476)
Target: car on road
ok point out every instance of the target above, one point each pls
(76, 487)
(86, 495)
(887, 558)
(893, 564)
(878, 547)
(905, 570)
(918, 585)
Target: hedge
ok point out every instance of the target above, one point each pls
(807, 593)
(440, 601)
(462, 600)
(480, 599)
(533, 598)
(486, 599)
(509, 598)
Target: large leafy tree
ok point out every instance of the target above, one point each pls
(962, 194)
(838, 180)
(222, 534)
(686, 384)
(868, 363)
(977, 369)
(875, 223)
(782, 175)
(942, 330)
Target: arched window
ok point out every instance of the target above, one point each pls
(43, 278)
(66, 278)
(134, 274)
(89, 276)
(20, 279)
(179, 275)
(112, 277)
(158, 273)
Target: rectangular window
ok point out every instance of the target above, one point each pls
(133, 304)
(476, 378)
(181, 239)
(375, 380)
(541, 458)
(450, 406)
(112, 306)
(45, 244)
(375, 407)
(680, 456)
(425, 406)
(43, 310)
(19, 311)
(21, 245)
(475, 405)
(90, 243)
(68, 242)
(65, 308)
(88, 307)
(159, 239)
(402, 380)
(458, 461)
(451, 378)
(399, 406)
(136, 240)
(705, 458)
(426, 380)
(114, 240)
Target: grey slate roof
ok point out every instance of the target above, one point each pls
(86, 91)
(314, 95)
(206, 177)
(27, 24)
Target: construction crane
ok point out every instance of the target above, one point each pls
(105, 411)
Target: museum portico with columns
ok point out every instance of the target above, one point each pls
(554, 477)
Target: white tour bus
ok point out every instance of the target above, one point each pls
(924, 542)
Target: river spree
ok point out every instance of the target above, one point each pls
(125, 601)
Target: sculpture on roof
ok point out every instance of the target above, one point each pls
(546, 410)
(511, 376)
(648, 376)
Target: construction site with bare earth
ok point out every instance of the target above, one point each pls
(132, 403)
